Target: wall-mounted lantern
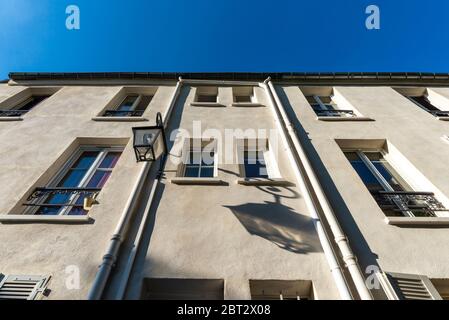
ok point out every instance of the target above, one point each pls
(149, 142)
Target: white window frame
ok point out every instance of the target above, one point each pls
(409, 97)
(385, 185)
(103, 151)
(329, 112)
(270, 162)
(134, 105)
(191, 146)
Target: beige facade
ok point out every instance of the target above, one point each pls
(251, 236)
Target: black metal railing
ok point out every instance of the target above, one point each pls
(68, 197)
(12, 113)
(417, 203)
(118, 113)
(440, 113)
(335, 113)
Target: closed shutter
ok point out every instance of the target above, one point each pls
(22, 287)
(412, 287)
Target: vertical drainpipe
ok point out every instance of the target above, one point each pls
(338, 234)
(110, 258)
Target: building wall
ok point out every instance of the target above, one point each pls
(416, 134)
(29, 148)
(232, 232)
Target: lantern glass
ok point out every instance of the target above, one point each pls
(148, 143)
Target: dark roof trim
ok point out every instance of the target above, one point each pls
(282, 76)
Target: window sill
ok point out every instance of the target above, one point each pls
(197, 181)
(418, 221)
(443, 118)
(120, 119)
(264, 182)
(11, 118)
(247, 104)
(23, 218)
(207, 104)
(344, 119)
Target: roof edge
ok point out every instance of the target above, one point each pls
(238, 76)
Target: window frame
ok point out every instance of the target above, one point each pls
(379, 177)
(191, 147)
(270, 163)
(410, 97)
(57, 178)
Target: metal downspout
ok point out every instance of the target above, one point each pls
(109, 259)
(337, 232)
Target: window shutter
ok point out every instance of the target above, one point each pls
(22, 287)
(412, 287)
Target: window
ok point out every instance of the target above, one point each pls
(325, 106)
(254, 164)
(256, 160)
(394, 196)
(24, 106)
(243, 95)
(133, 105)
(200, 162)
(424, 103)
(243, 98)
(400, 286)
(183, 289)
(77, 184)
(206, 98)
(14, 287)
(281, 289)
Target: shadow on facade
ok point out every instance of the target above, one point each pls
(357, 241)
(278, 223)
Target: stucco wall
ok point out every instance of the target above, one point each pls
(232, 232)
(417, 136)
(28, 149)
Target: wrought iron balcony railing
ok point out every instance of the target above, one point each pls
(12, 113)
(59, 198)
(440, 113)
(335, 113)
(119, 113)
(417, 203)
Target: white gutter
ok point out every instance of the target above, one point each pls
(109, 259)
(337, 232)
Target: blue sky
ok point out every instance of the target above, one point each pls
(223, 36)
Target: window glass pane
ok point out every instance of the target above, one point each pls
(48, 211)
(191, 171)
(85, 160)
(254, 163)
(206, 98)
(392, 181)
(127, 104)
(143, 103)
(424, 101)
(99, 179)
(110, 160)
(207, 172)
(242, 98)
(72, 178)
(35, 100)
(365, 174)
(311, 99)
(207, 158)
